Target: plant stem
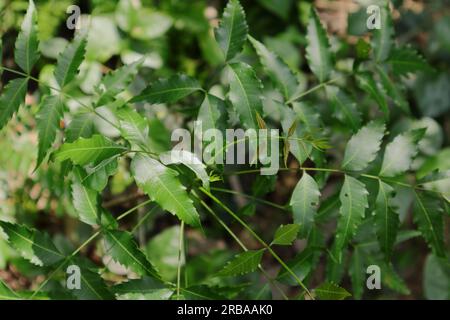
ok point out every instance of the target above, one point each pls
(83, 245)
(319, 86)
(275, 205)
(261, 241)
(236, 238)
(180, 250)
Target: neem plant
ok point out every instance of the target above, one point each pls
(358, 171)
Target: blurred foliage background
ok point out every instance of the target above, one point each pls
(177, 36)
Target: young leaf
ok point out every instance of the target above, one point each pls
(368, 84)
(26, 51)
(85, 200)
(161, 184)
(382, 38)
(363, 146)
(428, 215)
(277, 70)
(331, 291)
(232, 31)
(407, 60)
(70, 60)
(48, 117)
(386, 218)
(243, 263)
(345, 107)
(32, 244)
(318, 51)
(286, 234)
(304, 201)
(115, 82)
(353, 198)
(399, 154)
(188, 159)
(245, 94)
(91, 150)
(168, 90)
(13, 95)
(123, 249)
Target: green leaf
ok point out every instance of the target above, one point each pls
(168, 90)
(81, 126)
(286, 234)
(85, 200)
(134, 128)
(304, 202)
(146, 285)
(392, 90)
(201, 292)
(6, 293)
(212, 113)
(115, 82)
(92, 285)
(353, 197)
(357, 273)
(242, 263)
(188, 159)
(232, 32)
(281, 8)
(367, 83)
(428, 215)
(382, 38)
(97, 176)
(245, 94)
(124, 250)
(301, 265)
(91, 150)
(436, 281)
(26, 51)
(161, 184)
(32, 244)
(345, 107)
(363, 146)
(407, 60)
(70, 60)
(331, 291)
(400, 153)
(277, 70)
(318, 52)
(387, 219)
(48, 117)
(13, 95)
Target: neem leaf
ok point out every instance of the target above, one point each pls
(407, 60)
(232, 32)
(168, 90)
(161, 184)
(13, 95)
(363, 146)
(242, 263)
(245, 94)
(48, 117)
(318, 51)
(32, 244)
(304, 202)
(331, 291)
(70, 60)
(286, 234)
(399, 154)
(26, 51)
(90, 150)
